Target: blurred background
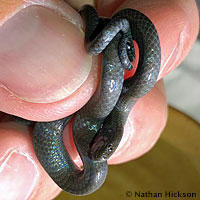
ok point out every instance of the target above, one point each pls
(174, 162)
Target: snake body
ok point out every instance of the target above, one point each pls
(98, 126)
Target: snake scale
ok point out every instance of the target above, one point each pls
(98, 126)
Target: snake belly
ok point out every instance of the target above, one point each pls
(111, 97)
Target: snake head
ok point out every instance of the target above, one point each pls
(104, 145)
(101, 149)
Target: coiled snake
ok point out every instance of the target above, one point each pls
(98, 126)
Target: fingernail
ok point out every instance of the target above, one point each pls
(174, 56)
(42, 56)
(18, 176)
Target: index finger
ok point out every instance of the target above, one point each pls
(176, 21)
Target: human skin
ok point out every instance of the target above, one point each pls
(33, 92)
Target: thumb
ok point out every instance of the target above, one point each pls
(42, 55)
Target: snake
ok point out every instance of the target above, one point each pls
(98, 126)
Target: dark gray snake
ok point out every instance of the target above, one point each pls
(98, 126)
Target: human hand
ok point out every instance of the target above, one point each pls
(46, 75)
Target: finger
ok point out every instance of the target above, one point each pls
(22, 103)
(144, 126)
(21, 175)
(43, 69)
(176, 22)
(78, 3)
(68, 105)
(177, 26)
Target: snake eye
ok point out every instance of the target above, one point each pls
(110, 148)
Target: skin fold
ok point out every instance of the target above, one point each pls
(177, 24)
